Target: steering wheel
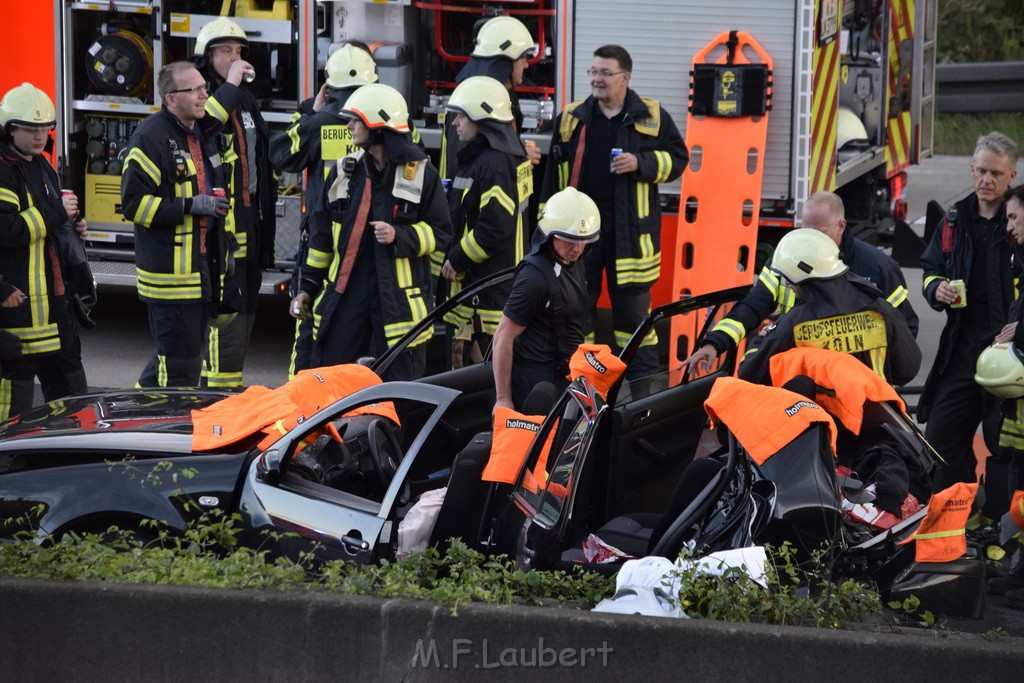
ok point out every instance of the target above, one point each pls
(385, 461)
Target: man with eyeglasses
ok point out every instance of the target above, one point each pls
(649, 150)
(37, 336)
(175, 159)
(221, 49)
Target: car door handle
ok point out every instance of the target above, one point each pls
(641, 417)
(354, 544)
(653, 454)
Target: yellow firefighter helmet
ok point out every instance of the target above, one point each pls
(27, 105)
(1000, 371)
(350, 66)
(571, 215)
(503, 37)
(378, 106)
(217, 31)
(482, 98)
(806, 254)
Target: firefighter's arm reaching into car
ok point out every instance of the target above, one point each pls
(501, 356)
(701, 359)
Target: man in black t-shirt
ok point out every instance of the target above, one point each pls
(542, 323)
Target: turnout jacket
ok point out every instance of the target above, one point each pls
(770, 293)
(949, 256)
(406, 195)
(252, 184)
(648, 132)
(845, 314)
(486, 207)
(31, 213)
(174, 250)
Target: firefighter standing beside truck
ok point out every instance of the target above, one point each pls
(33, 210)
(484, 204)
(314, 140)
(625, 188)
(173, 164)
(823, 211)
(967, 251)
(383, 213)
(252, 189)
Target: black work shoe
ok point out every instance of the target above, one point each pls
(1014, 598)
(1014, 581)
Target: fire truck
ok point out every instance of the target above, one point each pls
(848, 96)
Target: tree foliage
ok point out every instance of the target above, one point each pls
(980, 31)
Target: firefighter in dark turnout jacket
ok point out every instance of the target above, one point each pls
(175, 159)
(823, 211)
(625, 189)
(252, 189)
(837, 311)
(314, 140)
(382, 215)
(485, 203)
(32, 214)
(969, 246)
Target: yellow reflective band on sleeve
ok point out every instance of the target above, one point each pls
(10, 197)
(786, 298)
(146, 212)
(44, 338)
(34, 222)
(664, 166)
(498, 195)
(643, 199)
(414, 135)
(898, 296)
(589, 337)
(732, 329)
(425, 235)
(293, 136)
(216, 110)
(145, 163)
(930, 279)
(403, 273)
(770, 280)
(318, 259)
(436, 261)
(472, 249)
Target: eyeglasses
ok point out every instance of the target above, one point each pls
(197, 90)
(603, 73)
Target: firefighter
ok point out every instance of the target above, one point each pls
(314, 140)
(220, 51)
(823, 211)
(542, 322)
(968, 250)
(837, 310)
(503, 51)
(382, 214)
(33, 214)
(483, 204)
(651, 151)
(175, 160)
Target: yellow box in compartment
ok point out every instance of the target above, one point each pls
(260, 9)
(103, 202)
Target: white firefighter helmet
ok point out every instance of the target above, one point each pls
(503, 37)
(1000, 371)
(806, 254)
(217, 31)
(849, 129)
(482, 98)
(350, 66)
(27, 105)
(378, 106)
(570, 215)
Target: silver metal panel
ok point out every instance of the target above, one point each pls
(652, 29)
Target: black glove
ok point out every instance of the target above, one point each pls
(207, 205)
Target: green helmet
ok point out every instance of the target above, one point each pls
(27, 105)
(350, 66)
(378, 106)
(570, 215)
(806, 254)
(217, 31)
(482, 98)
(1000, 371)
(503, 37)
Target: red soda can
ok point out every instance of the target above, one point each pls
(218, 192)
(65, 192)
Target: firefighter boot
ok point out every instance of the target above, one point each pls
(1011, 583)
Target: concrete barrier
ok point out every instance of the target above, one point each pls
(97, 631)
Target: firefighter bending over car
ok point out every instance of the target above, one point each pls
(542, 323)
(837, 310)
(220, 52)
(382, 214)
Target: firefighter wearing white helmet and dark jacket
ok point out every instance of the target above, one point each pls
(33, 307)
(542, 324)
(371, 235)
(484, 204)
(220, 53)
(837, 310)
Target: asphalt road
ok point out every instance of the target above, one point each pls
(116, 350)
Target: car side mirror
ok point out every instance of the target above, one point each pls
(269, 467)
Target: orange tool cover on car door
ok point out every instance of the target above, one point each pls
(513, 434)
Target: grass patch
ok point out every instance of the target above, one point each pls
(956, 134)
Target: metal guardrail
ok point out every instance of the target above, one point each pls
(979, 87)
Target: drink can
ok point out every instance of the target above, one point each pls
(218, 192)
(65, 192)
(616, 151)
(249, 76)
(960, 287)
